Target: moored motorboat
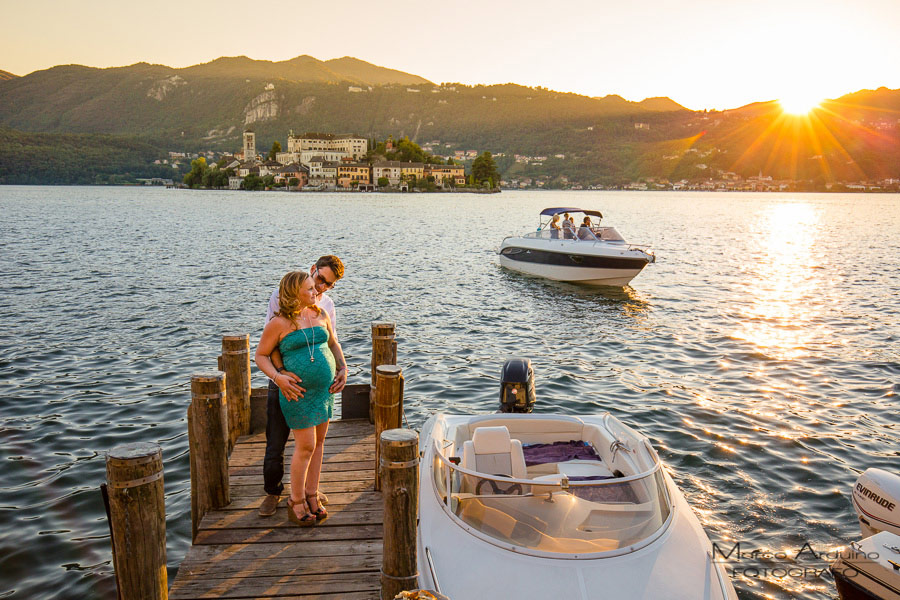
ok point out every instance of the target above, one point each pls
(870, 569)
(534, 506)
(587, 255)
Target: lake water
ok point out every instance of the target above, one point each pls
(760, 353)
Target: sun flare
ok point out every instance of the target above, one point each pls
(799, 104)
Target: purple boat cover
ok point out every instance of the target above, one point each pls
(539, 454)
(611, 492)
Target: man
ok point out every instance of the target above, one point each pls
(568, 228)
(325, 273)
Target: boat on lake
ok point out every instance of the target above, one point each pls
(587, 255)
(870, 569)
(534, 506)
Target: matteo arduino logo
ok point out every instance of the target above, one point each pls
(760, 563)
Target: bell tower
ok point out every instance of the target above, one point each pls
(249, 145)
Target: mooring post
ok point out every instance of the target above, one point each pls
(384, 352)
(137, 511)
(388, 404)
(236, 364)
(208, 444)
(399, 467)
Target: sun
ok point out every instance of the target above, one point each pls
(799, 103)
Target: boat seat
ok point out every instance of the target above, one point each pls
(584, 468)
(493, 452)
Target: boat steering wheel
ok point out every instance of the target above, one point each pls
(512, 489)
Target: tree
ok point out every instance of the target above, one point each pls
(293, 182)
(252, 182)
(276, 148)
(484, 170)
(196, 175)
(383, 182)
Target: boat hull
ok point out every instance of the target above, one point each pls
(575, 262)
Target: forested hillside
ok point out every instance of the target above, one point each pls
(41, 158)
(566, 137)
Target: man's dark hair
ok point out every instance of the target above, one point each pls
(332, 262)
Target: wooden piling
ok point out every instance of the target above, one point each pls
(208, 444)
(384, 352)
(236, 364)
(137, 510)
(399, 467)
(388, 407)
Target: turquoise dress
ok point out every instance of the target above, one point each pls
(317, 375)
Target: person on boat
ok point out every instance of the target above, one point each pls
(584, 232)
(304, 336)
(568, 227)
(554, 228)
(325, 274)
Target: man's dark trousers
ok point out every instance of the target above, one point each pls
(277, 432)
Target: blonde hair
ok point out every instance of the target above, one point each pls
(289, 304)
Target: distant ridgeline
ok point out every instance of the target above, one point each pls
(535, 134)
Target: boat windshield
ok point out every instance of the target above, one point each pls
(603, 234)
(556, 514)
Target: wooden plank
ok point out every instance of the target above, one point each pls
(373, 595)
(288, 534)
(277, 565)
(256, 469)
(269, 586)
(359, 428)
(361, 500)
(327, 475)
(301, 549)
(330, 442)
(340, 455)
(337, 515)
(328, 487)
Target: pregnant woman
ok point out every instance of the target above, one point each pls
(303, 333)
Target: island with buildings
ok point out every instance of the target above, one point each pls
(337, 162)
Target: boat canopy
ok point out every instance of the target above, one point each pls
(557, 211)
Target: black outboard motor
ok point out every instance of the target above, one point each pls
(517, 386)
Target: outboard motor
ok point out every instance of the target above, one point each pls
(876, 498)
(870, 569)
(517, 386)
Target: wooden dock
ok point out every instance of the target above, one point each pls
(238, 554)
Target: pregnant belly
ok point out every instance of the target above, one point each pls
(316, 374)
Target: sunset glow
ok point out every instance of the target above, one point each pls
(799, 103)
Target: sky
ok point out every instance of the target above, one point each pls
(704, 54)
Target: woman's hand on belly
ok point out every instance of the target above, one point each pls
(289, 384)
(340, 380)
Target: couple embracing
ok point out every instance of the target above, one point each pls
(300, 354)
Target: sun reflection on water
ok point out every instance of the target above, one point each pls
(784, 282)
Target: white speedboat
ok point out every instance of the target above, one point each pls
(531, 506)
(870, 569)
(587, 255)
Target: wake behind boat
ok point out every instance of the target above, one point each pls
(587, 255)
(555, 506)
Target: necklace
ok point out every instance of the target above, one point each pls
(309, 345)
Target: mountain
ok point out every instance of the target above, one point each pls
(210, 103)
(353, 69)
(4, 75)
(660, 104)
(302, 69)
(606, 140)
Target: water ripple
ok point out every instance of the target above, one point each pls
(759, 353)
